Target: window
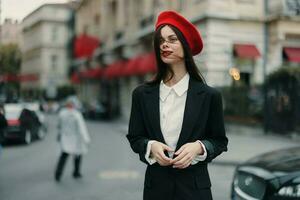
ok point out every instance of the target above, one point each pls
(54, 33)
(156, 4)
(97, 19)
(181, 4)
(292, 7)
(113, 14)
(126, 14)
(138, 7)
(54, 62)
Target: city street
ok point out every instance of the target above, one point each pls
(111, 171)
(196, 61)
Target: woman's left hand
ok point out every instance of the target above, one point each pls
(186, 154)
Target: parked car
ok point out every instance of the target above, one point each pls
(25, 123)
(94, 110)
(270, 176)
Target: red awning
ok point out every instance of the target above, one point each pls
(85, 45)
(93, 73)
(19, 78)
(132, 66)
(28, 77)
(114, 70)
(10, 78)
(75, 78)
(248, 51)
(292, 53)
(139, 65)
(147, 64)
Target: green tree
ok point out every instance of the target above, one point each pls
(10, 59)
(10, 63)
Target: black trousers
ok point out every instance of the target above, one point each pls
(167, 183)
(62, 162)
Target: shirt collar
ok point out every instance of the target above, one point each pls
(180, 87)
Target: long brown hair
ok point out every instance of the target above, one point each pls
(163, 69)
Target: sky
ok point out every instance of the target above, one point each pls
(18, 9)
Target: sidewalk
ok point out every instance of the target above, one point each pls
(245, 142)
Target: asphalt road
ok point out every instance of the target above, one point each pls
(111, 170)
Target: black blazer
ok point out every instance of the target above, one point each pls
(203, 120)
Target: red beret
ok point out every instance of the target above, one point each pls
(189, 31)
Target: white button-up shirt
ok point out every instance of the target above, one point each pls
(171, 106)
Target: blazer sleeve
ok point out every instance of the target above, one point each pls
(137, 131)
(215, 140)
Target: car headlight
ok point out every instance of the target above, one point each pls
(290, 191)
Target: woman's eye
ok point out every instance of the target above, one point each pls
(173, 40)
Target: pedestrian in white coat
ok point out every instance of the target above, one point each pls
(73, 137)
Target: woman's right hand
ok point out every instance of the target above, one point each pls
(157, 152)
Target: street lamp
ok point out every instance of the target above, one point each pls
(235, 73)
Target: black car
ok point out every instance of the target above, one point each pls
(270, 176)
(22, 124)
(95, 110)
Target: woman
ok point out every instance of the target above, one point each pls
(73, 137)
(176, 123)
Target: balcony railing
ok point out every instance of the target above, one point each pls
(284, 8)
(146, 21)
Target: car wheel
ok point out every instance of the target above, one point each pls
(41, 133)
(27, 137)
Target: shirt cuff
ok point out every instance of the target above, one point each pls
(150, 160)
(201, 157)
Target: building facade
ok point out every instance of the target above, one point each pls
(283, 36)
(128, 27)
(46, 34)
(10, 32)
(87, 21)
(244, 40)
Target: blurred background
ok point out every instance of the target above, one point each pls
(98, 51)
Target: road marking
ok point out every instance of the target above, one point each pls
(119, 174)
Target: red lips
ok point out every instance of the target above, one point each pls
(166, 53)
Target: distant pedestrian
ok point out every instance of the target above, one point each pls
(29, 120)
(176, 123)
(73, 137)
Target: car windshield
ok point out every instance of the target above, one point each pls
(12, 114)
(13, 111)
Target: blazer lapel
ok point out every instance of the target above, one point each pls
(152, 108)
(193, 105)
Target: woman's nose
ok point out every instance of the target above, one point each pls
(165, 44)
